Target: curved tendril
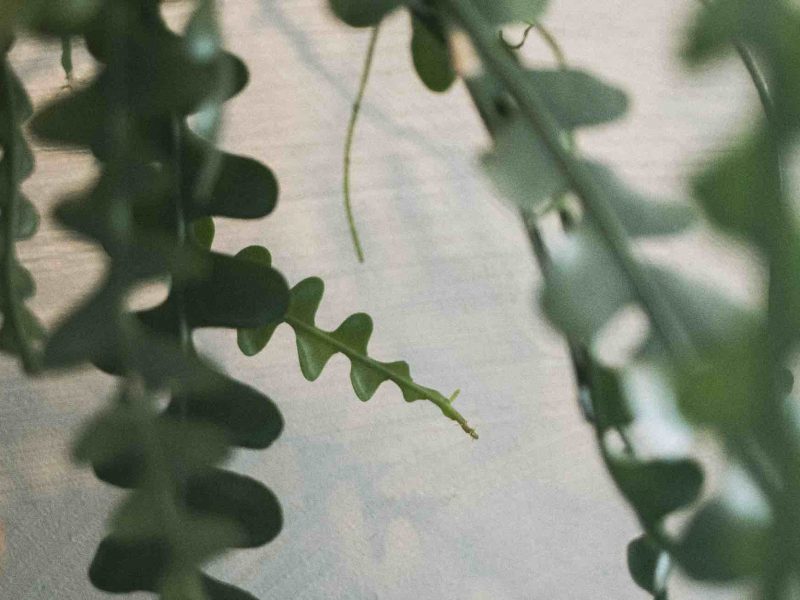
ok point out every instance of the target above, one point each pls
(551, 41)
(521, 43)
(547, 37)
(348, 145)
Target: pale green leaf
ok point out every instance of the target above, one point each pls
(521, 166)
(721, 546)
(659, 487)
(586, 286)
(641, 216)
(578, 99)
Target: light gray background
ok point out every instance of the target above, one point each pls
(387, 500)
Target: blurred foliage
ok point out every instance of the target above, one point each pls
(724, 366)
(21, 331)
(175, 418)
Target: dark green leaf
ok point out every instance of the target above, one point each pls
(645, 560)
(27, 219)
(115, 444)
(768, 24)
(431, 55)
(244, 188)
(31, 329)
(247, 416)
(202, 232)
(216, 590)
(70, 120)
(237, 499)
(657, 488)
(108, 436)
(23, 107)
(24, 162)
(720, 546)
(728, 189)
(120, 568)
(254, 340)
(609, 405)
(64, 16)
(710, 318)
(202, 538)
(89, 332)
(363, 13)
(711, 393)
(235, 293)
(578, 99)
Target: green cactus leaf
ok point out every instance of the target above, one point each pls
(315, 347)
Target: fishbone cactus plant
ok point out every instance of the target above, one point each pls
(151, 209)
(726, 364)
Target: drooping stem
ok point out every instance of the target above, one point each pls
(9, 214)
(663, 318)
(754, 71)
(348, 144)
(404, 383)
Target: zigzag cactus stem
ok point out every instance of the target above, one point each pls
(315, 346)
(18, 221)
(182, 510)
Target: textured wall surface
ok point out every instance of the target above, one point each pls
(387, 500)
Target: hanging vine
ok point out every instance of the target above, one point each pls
(161, 182)
(696, 335)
